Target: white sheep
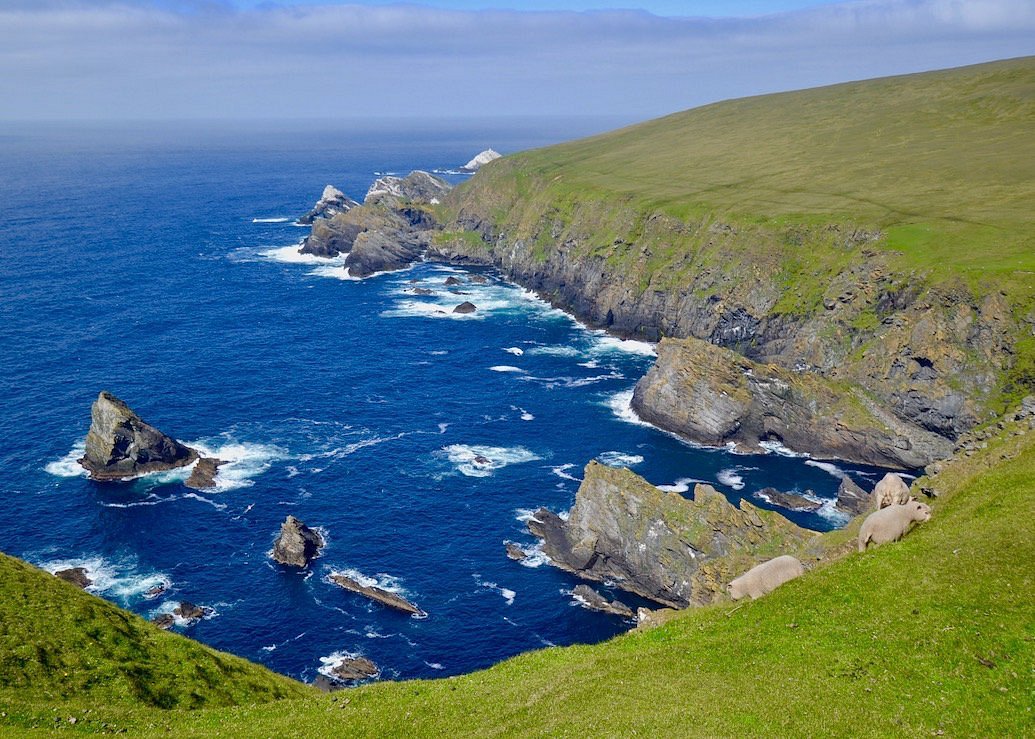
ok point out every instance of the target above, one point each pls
(891, 523)
(891, 490)
(766, 577)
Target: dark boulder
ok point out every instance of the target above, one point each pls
(297, 544)
(465, 307)
(75, 575)
(515, 552)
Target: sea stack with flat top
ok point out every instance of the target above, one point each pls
(121, 445)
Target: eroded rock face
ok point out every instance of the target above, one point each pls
(660, 545)
(121, 445)
(418, 187)
(713, 396)
(78, 576)
(297, 544)
(852, 499)
(332, 202)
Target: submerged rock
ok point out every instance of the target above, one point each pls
(791, 501)
(593, 600)
(660, 545)
(297, 544)
(121, 445)
(421, 291)
(164, 621)
(190, 612)
(203, 476)
(451, 281)
(332, 202)
(714, 396)
(78, 576)
(515, 552)
(379, 595)
(465, 307)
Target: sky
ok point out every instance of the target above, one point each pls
(255, 59)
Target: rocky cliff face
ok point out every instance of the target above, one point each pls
(714, 396)
(332, 202)
(658, 544)
(388, 232)
(927, 353)
(121, 445)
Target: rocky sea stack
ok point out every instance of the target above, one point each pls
(658, 544)
(297, 544)
(121, 445)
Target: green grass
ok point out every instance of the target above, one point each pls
(932, 634)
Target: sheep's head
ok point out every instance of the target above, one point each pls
(735, 590)
(921, 511)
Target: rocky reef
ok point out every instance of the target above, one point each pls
(594, 601)
(297, 544)
(389, 231)
(658, 544)
(376, 594)
(715, 396)
(203, 476)
(120, 445)
(78, 576)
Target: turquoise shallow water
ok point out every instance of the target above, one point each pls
(156, 263)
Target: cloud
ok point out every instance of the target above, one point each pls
(112, 59)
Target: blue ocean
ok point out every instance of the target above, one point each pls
(159, 262)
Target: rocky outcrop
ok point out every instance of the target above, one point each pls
(714, 396)
(120, 445)
(203, 476)
(376, 594)
(190, 612)
(332, 202)
(658, 544)
(354, 669)
(481, 159)
(388, 232)
(515, 552)
(594, 601)
(790, 501)
(297, 544)
(78, 576)
(465, 307)
(164, 621)
(852, 499)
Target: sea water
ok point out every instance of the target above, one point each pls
(160, 263)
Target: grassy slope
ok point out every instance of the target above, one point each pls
(936, 633)
(57, 642)
(943, 162)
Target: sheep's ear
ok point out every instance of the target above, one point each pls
(912, 498)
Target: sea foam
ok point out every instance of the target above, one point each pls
(482, 461)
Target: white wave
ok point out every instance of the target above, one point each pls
(516, 351)
(507, 593)
(381, 580)
(244, 460)
(336, 659)
(572, 382)
(435, 665)
(150, 500)
(682, 485)
(506, 368)
(730, 478)
(556, 351)
(777, 448)
(562, 472)
(350, 449)
(270, 648)
(482, 461)
(291, 255)
(604, 342)
(591, 364)
(524, 515)
(827, 467)
(68, 465)
(535, 556)
(619, 459)
(526, 416)
(116, 579)
(621, 405)
(271, 220)
(171, 605)
(830, 511)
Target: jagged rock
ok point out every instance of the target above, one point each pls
(791, 501)
(451, 281)
(421, 291)
(78, 576)
(712, 395)
(593, 600)
(465, 307)
(297, 544)
(481, 159)
(331, 237)
(332, 202)
(852, 499)
(479, 279)
(164, 621)
(190, 612)
(416, 187)
(376, 594)
(660, 545)
(354, 669)
(385, 249)
(121, 445)
(203, 476)
(515, 552)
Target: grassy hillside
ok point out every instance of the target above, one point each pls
(933, 634)
(943, 162)
(58, 642)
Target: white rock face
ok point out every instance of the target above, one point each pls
(484, 158)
